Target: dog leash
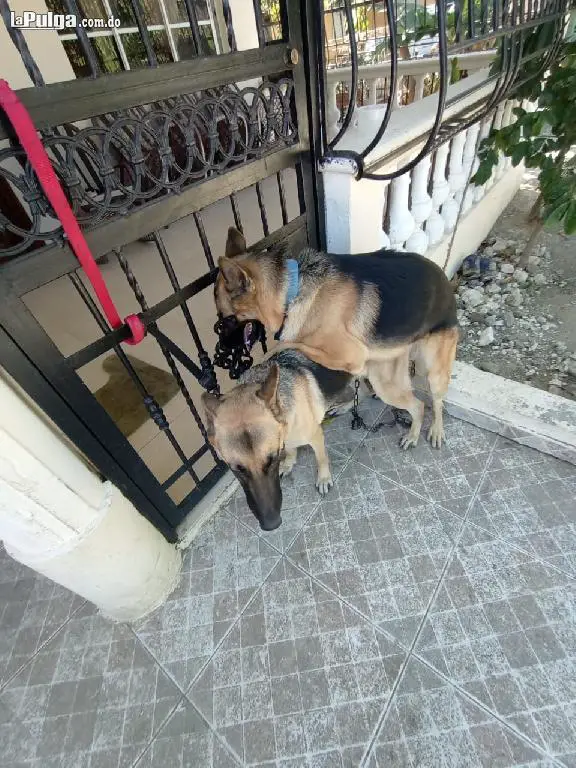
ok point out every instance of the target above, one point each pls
(25, 130)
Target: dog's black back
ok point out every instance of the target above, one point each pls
(414, 292)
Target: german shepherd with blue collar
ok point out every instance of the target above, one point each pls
(366, 314)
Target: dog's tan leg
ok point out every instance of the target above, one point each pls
(438, 352)
(324, 478)
(391, 382)
(288, 462)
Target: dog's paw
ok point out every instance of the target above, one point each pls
(408, 441)
(323, 485)
(436, 436)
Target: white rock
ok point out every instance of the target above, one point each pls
(520, 276)
(473, 297)
(515, 298)
(492, 288)
(499, 245)
(540, 279)
(486, 337)
(533, 260)
(508, 269)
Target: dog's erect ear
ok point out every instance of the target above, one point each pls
(235, 244)
(237, 279)
(210, 403)
(268, 391)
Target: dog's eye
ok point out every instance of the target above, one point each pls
(240, 469)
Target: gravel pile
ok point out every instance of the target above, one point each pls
(504, 330)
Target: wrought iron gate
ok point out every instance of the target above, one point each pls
(157, 163)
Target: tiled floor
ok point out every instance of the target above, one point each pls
(424, 614)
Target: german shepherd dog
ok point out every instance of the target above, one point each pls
(366, 314)
(257, 428)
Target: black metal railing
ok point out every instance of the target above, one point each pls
(525, 34)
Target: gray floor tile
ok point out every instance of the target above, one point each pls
(222, 571)
(503, 626)
(529, 498)
(32, 608)
(431, 724)
(92, 697)
(378, 546)
(448, 476)
(299, 498)
(187, 741)
(301, 683)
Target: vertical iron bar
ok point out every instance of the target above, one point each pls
(471, 20)
(354, 79)
(259, 23)
(21, 46)
(262, 207)
(236, 212)
(176, 286)
(496, 10)
(483, 17)
(83, 39)
(204, 240)
(153, 408)
(197, 38)
(458, 19)
(132, 281)
(144, 34)
(226, 10)
(282, 193)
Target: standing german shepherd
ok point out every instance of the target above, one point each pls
(366, 315)
(257, 428)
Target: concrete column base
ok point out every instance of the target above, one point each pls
(121, 563)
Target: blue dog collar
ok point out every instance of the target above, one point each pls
(292, 291)
(293, 281)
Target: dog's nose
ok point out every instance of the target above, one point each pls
(270, 524)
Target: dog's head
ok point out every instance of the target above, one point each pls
(247, 287)
(247, 430)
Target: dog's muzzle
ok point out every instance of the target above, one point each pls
(235, 342)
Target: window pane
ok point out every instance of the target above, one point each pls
(152, 12)
(121, 9)
(136, 52)
(106, 53)
(185, 46)
(93, 9)
(161, 47)
(176, 10)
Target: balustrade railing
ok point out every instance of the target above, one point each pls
(417, 79)
(424, 204)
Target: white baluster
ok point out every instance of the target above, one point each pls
(401, 220)
(333, 113)
(371, 85)
(421, 207)
(480, 190)
(419, 87)
(440, 192)
(469, 157)
(456, 180)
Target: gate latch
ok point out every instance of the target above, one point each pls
(292, 56)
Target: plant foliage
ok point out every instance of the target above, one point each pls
(545, 139)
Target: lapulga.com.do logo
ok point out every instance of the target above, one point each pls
(58, 21)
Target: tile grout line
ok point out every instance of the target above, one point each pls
(414, 654)
(409, 655)
(463, 692)
(41, 646)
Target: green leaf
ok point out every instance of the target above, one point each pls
(570, 219)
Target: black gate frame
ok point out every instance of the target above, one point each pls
(27, 352)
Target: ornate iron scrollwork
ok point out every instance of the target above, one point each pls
(124, 160)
